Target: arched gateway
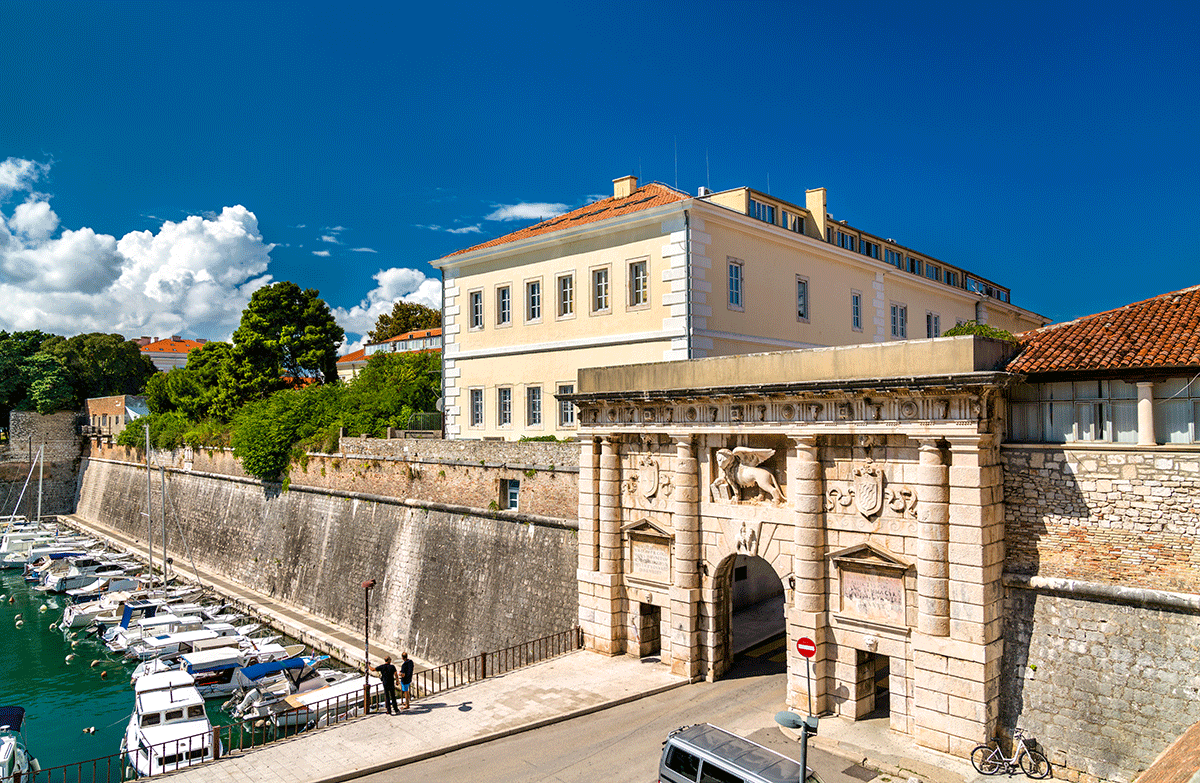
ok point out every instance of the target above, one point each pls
(875, 500)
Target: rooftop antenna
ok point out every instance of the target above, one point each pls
(677, 163)
(768, 183)
(707, 172)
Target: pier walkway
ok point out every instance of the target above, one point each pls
(566, 687)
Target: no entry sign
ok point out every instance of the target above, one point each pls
(806, 647)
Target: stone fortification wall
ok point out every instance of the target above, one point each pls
(1099, 662)
(431, 470)
(28, 432)
(450, 584)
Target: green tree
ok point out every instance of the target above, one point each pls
(285, 331)
(389, 390)
(15, 350)
(101, 365)
(404, 317)
(266, 431)
(50, 388)
(982, 330)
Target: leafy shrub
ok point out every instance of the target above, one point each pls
(982, 330)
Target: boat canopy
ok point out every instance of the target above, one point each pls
(11, 718)
(260, 670)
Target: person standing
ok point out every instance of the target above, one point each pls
(406, 675)
(387, 674)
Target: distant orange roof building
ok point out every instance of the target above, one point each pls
(420, 340)
(167, 353)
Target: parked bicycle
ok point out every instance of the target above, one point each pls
(990, 759)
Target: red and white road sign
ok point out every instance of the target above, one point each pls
(806, 647)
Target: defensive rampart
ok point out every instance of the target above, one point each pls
(451, 580)
(28, 433)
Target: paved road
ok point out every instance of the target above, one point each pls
(624, 743)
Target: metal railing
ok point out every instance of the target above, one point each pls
(255, 732)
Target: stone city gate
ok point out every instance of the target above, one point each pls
(876, 502)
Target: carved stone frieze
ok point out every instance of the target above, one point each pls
(869, 493)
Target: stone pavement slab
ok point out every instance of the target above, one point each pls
(552, 691)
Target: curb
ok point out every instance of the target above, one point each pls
(537, 724)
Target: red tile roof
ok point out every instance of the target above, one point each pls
(420, 333)
(172, 346)
(646, 197)
(1160, 332)
(355, 356)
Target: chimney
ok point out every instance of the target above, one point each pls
(624, 186)
(814, 202)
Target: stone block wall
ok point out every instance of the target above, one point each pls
(450, 585)
(1114, 516)
(29, 431)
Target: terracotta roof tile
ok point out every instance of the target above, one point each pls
(1159, 332)
(354, 356)
(646, 197)
(172, 346)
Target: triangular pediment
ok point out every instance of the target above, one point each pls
(646, 527)
(867, 553)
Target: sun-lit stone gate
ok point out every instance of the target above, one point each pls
(866, 477)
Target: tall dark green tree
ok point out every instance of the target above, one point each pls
(285, 331)
(15, 375)
(404, 317)
(100, 365)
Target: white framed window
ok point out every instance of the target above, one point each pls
(566, 408)
(802, 299)
(533, 406)
(951, 278)
(566, 295)
(510, 494)
(856, 310)
(475, 298)
(893, 257)
(914, 265)
(601, 290)
(737, 283)
(933, 325)
(793, 222)
(504, 305)
(639, 284)
(762, 211)
(846, 240)
(533, 300)
(933, 272)
(899, 321)
(1095, 410)
(504, 406)
(476, 407)
(869, 249)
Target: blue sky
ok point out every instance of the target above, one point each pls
(158, 161)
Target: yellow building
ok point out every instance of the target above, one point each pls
(653, 274)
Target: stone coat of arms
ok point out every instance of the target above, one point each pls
(868, 488)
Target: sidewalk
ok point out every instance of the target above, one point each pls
(549, 692)
(876, 746)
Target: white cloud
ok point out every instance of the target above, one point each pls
(526, 211)
(321, 253)
(363, 250)
(331, 239)
(392, 284)
(191, 277)
(335, 229)
(466, 230)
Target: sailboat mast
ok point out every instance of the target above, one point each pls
(162, 471)
(41, 471)
(149, 516)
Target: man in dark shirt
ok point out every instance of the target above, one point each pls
(406, 675)
(387, 673)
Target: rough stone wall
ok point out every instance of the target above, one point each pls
(1104, 688)
(433, 471)
(1124, 516)
(449, 585)
(28, 431)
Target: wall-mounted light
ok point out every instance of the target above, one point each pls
(792, 581)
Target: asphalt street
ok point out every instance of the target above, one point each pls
(624, 743)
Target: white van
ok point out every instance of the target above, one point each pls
(707, 754)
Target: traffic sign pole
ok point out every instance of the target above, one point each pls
(808, 648)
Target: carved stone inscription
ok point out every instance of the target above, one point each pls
(650, 558)
(873, 595)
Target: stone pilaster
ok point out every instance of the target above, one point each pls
(933, 532)
(685, 590)
(610, 506)
(606, 583)
(589, 505)
(807, 613)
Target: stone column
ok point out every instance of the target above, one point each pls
(610, 506)
(685, 591)
(807, 614)
(602, 589)
(933, 533)
(1145, 410)
(957, 678)
(589, 505)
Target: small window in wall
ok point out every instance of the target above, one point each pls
(846, 240)
(856, 311)
(1065, 412)
(533, 406)
(793, 222)
(504, 406)
(504, 305)
(510, 494)
(951, 278)
(933, 325)
(476, 407)
(736, 282)
(476, 304)
(566, 408)
(914, 265)
(533, 300)
(899, 321)
(933, 272)
(639, 284)
(566, 296)
(893, 257)
(762, 211)
(869, 249)
(802, 298)
(600, 291)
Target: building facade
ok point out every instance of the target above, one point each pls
(653, 274)
(168, 353)
(350, 365)
(108, 416)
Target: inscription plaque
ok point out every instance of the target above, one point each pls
(650, 559)
(873, 595)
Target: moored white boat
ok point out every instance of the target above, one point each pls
(263, 690)
(15, 761)
(169, 728)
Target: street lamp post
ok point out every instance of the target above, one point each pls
(367, 585)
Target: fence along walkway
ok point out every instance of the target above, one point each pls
(239, 737)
